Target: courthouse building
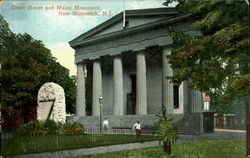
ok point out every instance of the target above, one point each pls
(124, 59)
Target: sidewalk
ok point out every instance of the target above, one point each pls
(219, 134)
(229, 135)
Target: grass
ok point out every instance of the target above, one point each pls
(34, 144)
(202, 149)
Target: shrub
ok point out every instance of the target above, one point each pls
(48, 127)
(51, 126)
(31, 128)
(167, 131)
(75, 128)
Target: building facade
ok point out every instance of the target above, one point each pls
(125, 61)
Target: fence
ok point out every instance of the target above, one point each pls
(13, 145)
(95, 129)
(230, 121)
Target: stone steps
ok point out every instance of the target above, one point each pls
(188, 132)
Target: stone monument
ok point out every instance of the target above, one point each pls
(51, 101)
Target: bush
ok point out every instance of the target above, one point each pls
(31, 128)
(48, 127)
(51, 126)
(167, 131)
(75, 128)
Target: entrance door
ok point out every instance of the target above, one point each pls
(131, 97)
(133, 91)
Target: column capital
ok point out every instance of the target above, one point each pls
(83, 62)
(117, 56)
(96, 60)
(142, 51)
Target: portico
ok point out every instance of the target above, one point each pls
(126, 64)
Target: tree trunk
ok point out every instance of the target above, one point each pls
(167, 148)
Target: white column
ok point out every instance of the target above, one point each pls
(168, 96)
(185, 97)
(118, 87)
(80, 93)
(141, 85)
(197, 101)
(97, 88)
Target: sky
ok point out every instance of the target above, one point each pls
(54, 30)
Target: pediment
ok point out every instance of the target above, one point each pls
(133, 18)
(130, 21)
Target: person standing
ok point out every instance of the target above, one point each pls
(137, 127)
(105, 124)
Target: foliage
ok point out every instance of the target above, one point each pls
(23, 70)
(60, 75)
(217, 61)
(38, 128)
(50, 126)
(167, 131)
(31, 129)
(26, 65)
(237, 106)
(75, 128)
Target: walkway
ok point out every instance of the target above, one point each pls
(219, 134)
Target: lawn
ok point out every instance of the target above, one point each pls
(202, 149)
(34, 144)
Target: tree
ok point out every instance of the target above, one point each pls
(60, 75)
(21, 74)
(217, 61)
(26, 65)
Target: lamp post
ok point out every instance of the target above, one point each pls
(163, 109)
(100, 102)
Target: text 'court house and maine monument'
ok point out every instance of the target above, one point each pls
(124, 59)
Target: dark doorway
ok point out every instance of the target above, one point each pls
(131, 97)
(176, 96)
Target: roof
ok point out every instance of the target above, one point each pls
(143, 13)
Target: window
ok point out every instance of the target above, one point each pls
(176, 96)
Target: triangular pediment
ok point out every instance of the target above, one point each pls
(133, 18)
